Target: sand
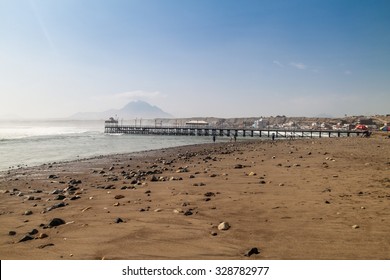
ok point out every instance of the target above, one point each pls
(306, 199)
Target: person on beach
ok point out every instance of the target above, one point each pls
(273, 136)
(235, 137)
(214, 138)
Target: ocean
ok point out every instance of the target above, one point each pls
(32, 143)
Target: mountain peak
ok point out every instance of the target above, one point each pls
(132, 110)
(142, 109)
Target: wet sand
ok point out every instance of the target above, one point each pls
(302, 199)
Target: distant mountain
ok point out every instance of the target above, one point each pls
(134, 109)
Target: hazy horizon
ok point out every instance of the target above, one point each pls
(205, 58)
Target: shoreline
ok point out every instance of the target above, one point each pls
(299, 199)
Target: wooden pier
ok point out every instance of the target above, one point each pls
(114, 128)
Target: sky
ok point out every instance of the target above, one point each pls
(210, 58)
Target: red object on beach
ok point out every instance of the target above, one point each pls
(361, 127)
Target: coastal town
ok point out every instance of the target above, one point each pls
(359, 125)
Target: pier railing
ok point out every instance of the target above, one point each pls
(228, 132)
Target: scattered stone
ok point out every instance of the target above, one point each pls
(118, 220)
(188, 213)
(119, 196)
(34, 231)
(154, 179)
(11, 233)
(238, 166)
(209, 194)
(262, 182)
(224, 226)
(85, 209)
(56, 192)
(55, 206)
(56, 222)
(60, 197)
(28, 212)
(252, 174)
(45, 245)
(52, 176)
(74, 182)
(182, 170)
(355, 226)
(26, 238)
(327, 202)
(281, 185)
(213, 233)
(253, 251)
(42, 236)
(158, 210)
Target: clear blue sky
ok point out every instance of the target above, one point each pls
(195, 58)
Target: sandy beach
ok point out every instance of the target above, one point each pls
(300, 199)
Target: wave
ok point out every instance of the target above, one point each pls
(50, 137)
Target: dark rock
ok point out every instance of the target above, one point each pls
(119, 196)
(208, 194)
(55, 206)
(238, 166)
(60, 197)
(118, 220)
(188, 213)
(74, 182)
(11, 233)
(52, 176)
(56, 191)
(26, 238)
(34, 231)
(56, 222)
(252, 251)
(154, 179)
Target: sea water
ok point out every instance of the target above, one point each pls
(31, 143)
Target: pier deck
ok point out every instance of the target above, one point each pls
(228, 132)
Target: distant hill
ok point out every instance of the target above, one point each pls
(134, 109)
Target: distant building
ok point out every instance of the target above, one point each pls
(195, 123)
(260, 124)
(111, 122)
